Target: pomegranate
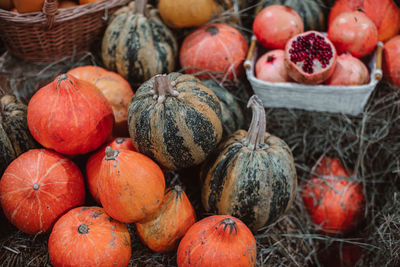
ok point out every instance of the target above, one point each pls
(334, 202)
(391, 60)
(349, 70)
(275, 25)
(310, 57)
(271, 67)
(353, 32)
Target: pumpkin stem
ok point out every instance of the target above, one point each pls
(83, 229)
(162, 87)
(119, 140)
(35, 187)
(111, 154)
(231, 223)
(256, 133)
(140, 6)
(178, 191)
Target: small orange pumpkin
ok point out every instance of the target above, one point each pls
(87, 236)
(162, 231)
(26, 6)
(131, 186)
(82, 2)
(218, 240)
(114, 87)
(66, 4)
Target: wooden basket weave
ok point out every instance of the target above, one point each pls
(54, 33)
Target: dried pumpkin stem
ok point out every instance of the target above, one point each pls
(163, 86)
(256, 133)
(140, 6)
(228, 222)
(111, 154)
(83, 229)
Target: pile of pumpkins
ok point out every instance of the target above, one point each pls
(173, 121)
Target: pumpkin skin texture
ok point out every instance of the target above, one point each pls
(217, 48)
(137, 44)
(70, 116)
(178, 129)
(94, 163)
(231, 113)
(391, 60)
(6, 4)
(130, 185)
(333, 202)
(163, 230)
(87, 236)
(251, 175)
(218, 240)
(116, 89)
(82, 2)
(66, 4)
(38, 187)
(15, 137)
(26, 6)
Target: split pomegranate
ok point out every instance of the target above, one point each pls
(310, 58)
(353, 32)
(391, 60)
(275, 25)
(271, 67)
(349, 70)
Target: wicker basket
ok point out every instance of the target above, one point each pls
(340, 99)
(55, 33)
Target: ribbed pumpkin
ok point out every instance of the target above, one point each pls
(115, 88)
(163, 230)
(70, 116)
(231, 113)
(137, 44)
(38, 187)
(175, 120)
(87, 236)
(251, 175)
(215, 241)
(312, 12)
(15, 137)
(130, 185)
(217, 48)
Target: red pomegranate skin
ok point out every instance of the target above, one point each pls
(349, 70)
(353, 32)
(391, 60)
(275, 25)
(270, 67)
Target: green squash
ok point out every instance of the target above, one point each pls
(175, 120)
(137, 44)
(251, 175)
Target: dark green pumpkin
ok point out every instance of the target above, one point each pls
(231, 113)
(137, 44)
(175, 120)
(15, 137)
(251, 175)
(311, 11)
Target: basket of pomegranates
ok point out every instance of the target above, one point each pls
(334, 72)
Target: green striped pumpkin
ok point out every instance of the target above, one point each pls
(251, 175)
(231, 113)
(15, 137)
(311, 11)
(137, 44)
(175, 120)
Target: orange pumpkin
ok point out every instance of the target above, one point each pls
(38, 187)
(162, 231)
(114, 87)
(131, 186)
(6, 4)
(26, 6)
(87, 236)
(94, 163)
(391, 60)
(70, 116)
(82, 2)
(66, 4)
(218, 240)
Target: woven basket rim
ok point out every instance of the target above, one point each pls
(63, 14)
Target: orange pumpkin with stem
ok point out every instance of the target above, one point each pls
(87, 236)
(162, 231)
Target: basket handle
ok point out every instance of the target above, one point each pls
(50, 9)
(250, 53)
(378, 61)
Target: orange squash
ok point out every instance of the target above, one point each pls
(38, 187)
(26, 6)
(114, 87)
(6, 4)
(87, 236)
(218, 240)
(163, 230)
(131, 186)
(66, 4)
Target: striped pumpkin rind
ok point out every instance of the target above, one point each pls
(256, 186)
(138, 46)
(180, 132)
(311, 11)
(231, 113)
